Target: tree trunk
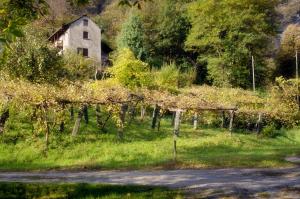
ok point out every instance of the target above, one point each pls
(77, 122)
(3, 119)
(122, 116)
(156, 111)
(195, 121)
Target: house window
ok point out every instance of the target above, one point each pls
(83, 51)
(85, 22)
(85, 35)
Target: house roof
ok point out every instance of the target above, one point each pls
(63, 29)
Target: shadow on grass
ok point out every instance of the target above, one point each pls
(55, 191)
(223, 155)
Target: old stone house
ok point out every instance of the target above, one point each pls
(82, 36)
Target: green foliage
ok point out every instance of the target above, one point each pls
(172, 31)
(31, 58)
(29, 9)
(232, 31)
(132, 36)
(217, 72)
(130, 71)
(269, 131)
(78, 67)
(168, 77)
(289, 44)
(16, 13)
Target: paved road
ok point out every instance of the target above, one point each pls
(252, 180)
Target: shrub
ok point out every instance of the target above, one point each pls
(129, 71)
(31, 58)
(78, 67)
(270, 131)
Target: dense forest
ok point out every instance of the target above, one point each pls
(205, 37)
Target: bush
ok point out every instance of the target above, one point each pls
(78, 67)
(270, 131)
(31, 58)
(129, 71)
(168, 77)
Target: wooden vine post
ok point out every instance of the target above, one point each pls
(231, 113)
(3, 118)
(72, 112)
(155, 115)
(86, 113)
(122, 115)
(98, 115)
(176, 132)
(45, 123)
(77, 122)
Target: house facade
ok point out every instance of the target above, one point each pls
(82, 36)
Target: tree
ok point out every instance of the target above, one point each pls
(31, 58)
(172, 31)
(132, 36)
(129, 71)
(289, 44)
(226, 33)
(16, 13)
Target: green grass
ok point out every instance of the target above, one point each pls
(142, 148)
(88, 191)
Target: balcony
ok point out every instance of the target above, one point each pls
(59, 44)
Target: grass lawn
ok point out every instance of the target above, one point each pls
(88, 191)
(142, 148)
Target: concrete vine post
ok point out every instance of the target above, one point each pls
(258, 124)
(195, 121)
(143, 112)
(176, 132)
(223, 119)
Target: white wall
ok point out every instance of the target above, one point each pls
(73, 38)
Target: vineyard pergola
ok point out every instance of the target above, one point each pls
(50, 100)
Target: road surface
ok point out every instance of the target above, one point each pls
(228, 180)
